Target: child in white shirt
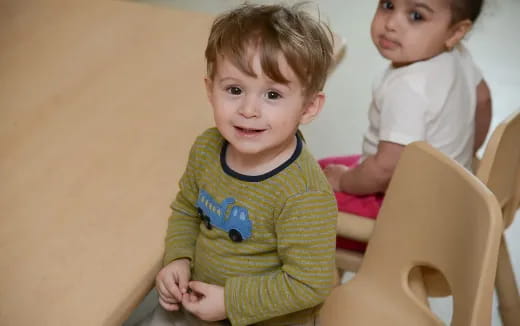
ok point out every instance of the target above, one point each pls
(432, 91)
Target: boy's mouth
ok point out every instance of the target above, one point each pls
(249, 131)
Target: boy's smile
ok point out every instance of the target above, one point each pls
(249, 132)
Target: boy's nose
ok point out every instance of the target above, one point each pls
(249, 109)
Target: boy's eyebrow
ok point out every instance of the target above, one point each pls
(224, 79)
(232, 79)
(286, 85)
(423, 5)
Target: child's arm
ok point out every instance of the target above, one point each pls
(397, 116)
(183, 227)
(371, 176)
(184, 222)
(482, 114)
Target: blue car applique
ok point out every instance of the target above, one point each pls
(232, 219)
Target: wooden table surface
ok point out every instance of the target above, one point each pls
(99, 104)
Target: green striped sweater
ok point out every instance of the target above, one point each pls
(283, 268)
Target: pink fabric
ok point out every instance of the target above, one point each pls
(366, 206)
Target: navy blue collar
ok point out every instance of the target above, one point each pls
(267, 175)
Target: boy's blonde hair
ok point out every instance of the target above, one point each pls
(273, 30)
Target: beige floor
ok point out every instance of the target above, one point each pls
(494, 45)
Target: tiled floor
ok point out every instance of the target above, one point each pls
(493, 42)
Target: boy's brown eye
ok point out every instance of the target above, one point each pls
(273, 95)
(234, 90)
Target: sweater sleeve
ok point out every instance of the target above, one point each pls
(184, 222)
(306, 233)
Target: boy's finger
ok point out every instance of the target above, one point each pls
(183, 283)
(161, 289)
(176, 293)
(199, 287)
(166, 299)
(172, 288)
(168, 306)
(189, 305)
(191, 297)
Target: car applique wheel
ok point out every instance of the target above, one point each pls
(204, 218)
(235, 236)
(207, 222)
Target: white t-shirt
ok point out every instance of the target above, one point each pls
(432, 100)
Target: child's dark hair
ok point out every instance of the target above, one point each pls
(273, 30)
(465, 9)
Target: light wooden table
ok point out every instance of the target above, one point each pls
(99, 104)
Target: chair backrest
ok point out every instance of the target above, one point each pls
(499, 168)
(439, 215)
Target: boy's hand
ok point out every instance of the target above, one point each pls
(333, 172)
(206, 301)
(172, 282)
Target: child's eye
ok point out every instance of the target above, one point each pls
(414, 15)
(387, 5)
(233, 90)
(272, 95)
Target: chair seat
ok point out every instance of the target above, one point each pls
(355, 303)
(353, 231)
(355, 227)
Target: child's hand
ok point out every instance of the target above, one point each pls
(206, 301)
(172, 282)
(333, 172)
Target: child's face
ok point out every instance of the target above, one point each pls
(256, 115)
(407, 31)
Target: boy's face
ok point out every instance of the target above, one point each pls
(407, 31)
(256, 115)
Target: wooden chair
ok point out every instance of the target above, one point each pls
(439, 216)
(499, 169)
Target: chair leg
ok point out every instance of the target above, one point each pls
(507, 291)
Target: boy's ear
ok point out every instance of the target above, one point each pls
(459, 30)
(313, 108)
(209, 87)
